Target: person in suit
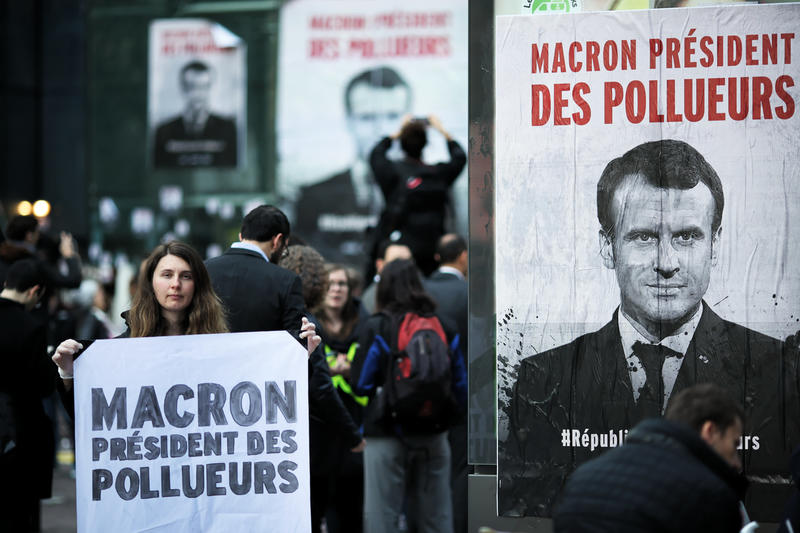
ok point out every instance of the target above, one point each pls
(197, 137)
(448, 284)
(448, 287)
(660, 211)
(343, 206)
(26, 433)
(257, 294)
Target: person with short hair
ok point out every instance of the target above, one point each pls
(679, 474)
(387, 252)
(660, 210)
(24, 239)
(27, 443)
(258, 295)
(416, 194)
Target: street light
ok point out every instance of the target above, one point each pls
(24, 208)
(41, 208)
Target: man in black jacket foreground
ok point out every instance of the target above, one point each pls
(676, 474)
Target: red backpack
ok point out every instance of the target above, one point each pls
(419, 388)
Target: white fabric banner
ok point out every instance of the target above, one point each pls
(193, 433)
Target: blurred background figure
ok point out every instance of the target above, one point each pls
(90, 305)
(387, 251)
(26, 433)
(334, 434)
(417, 195)
(341, 315)
(448, 287)
(356, 278)
(60, 262)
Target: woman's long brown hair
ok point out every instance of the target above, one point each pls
(204, 313)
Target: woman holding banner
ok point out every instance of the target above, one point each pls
(174, 296)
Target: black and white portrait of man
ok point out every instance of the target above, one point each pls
(349, 202)
(196, 137)
(659, 207)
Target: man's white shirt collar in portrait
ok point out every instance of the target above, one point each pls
(679, 342)
(252, 248)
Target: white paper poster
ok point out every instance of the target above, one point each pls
(197, 95)
(193, 433)
(647, 187)
(349, 70)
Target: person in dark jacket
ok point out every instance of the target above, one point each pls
(330, 425)
(257, 294)
(448, 287)
(680, 474)
(416, 194)
(342, 315)
(394, 456)
(26, 434)
(24, 240)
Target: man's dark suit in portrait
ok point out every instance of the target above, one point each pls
(257, 294)
(660, 211)
(333, 215)
(196, 137)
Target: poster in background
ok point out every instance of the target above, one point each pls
(196, 96)
(574, 92)
(349, 70)
(193, 433)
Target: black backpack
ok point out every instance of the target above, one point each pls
(419, 384)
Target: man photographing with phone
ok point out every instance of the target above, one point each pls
(416, 193)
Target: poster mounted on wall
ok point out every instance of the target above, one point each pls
(349, 71)
(197, 83)
(647, 190)
(193, 433)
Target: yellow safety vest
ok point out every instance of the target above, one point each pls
(338, 380)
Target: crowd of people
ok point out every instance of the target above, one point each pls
(367, 471)
(387, 445)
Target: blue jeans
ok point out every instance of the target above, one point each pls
(422, 461)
